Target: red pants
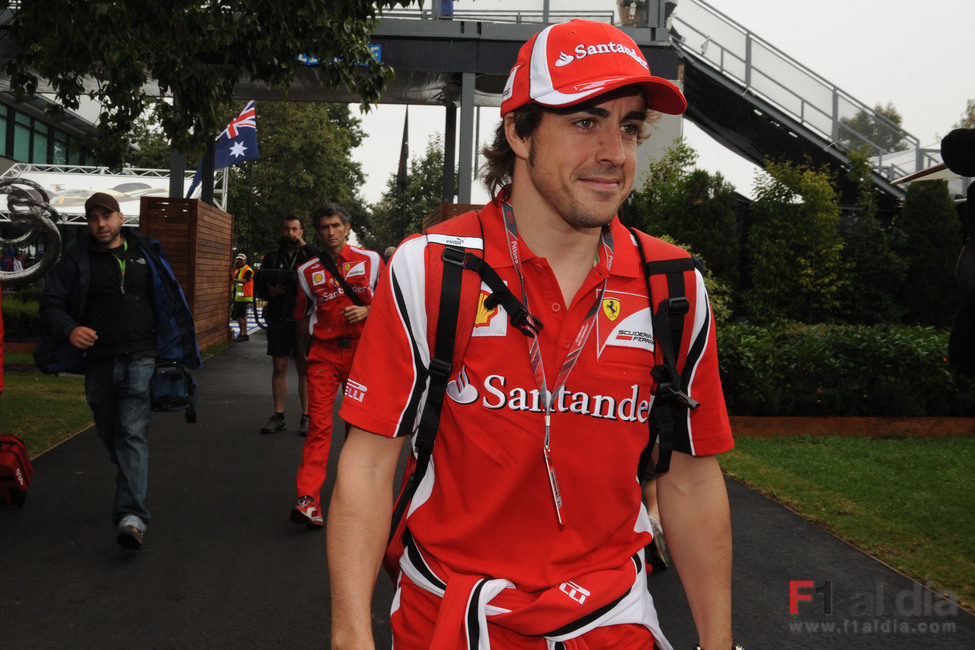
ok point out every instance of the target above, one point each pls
(328, 367)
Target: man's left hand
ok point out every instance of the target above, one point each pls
(355, 313)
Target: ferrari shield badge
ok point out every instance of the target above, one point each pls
(611, 307)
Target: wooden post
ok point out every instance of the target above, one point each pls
(197, 240)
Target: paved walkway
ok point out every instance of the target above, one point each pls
(223, 566)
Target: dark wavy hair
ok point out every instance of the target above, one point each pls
(329, 209)
(499, 158)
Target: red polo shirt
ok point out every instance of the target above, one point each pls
(485, 505)
(322, 299)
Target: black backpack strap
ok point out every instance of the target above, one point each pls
(441, 364)
(330, 266)
(500, 293)
(455, 260)
(671, 401)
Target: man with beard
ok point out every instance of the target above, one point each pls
(111, 307)
(277, 283)
(527, 528)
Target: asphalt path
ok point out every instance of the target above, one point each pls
(223, 566)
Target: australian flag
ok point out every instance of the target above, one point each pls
(235, 144)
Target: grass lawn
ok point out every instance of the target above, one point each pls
(43, 410)
(906, 501)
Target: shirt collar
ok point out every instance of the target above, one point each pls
(626, 262)
(343, 254)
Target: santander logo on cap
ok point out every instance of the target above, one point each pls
(582, 51)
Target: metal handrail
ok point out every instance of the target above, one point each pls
(518, 16)
(700, 39)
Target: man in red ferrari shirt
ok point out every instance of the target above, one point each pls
(501, 553)
(332, 306)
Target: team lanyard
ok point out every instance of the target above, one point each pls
(121, 263)
(294, 258)
(535, 352)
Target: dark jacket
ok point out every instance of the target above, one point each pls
(65, 296)
(280, 309)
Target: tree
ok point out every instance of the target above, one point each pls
(876, 271)
(794, 251)
(692, 206)
(875, 131)
(149, 148)
(305, 160)
(397, 214)
(195, 52)
(930, 245)
(967, 120)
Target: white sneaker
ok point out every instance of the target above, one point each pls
(131, 531)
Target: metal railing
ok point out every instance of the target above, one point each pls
(704, 33)
(430, 11)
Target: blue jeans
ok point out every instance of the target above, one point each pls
(118, 395)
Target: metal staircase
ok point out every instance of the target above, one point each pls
(761, 103)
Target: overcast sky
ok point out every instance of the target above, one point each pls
(917, 55)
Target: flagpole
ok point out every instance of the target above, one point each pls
(250, 194)
(206, 194)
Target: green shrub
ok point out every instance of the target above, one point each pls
(840, 370)
(20, 316)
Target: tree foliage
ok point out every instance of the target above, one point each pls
(397, 214)
(794, 250)
(124, 53)
(305, 160)
(876, 272)
(930, 245)
(692, 206)
(873, 131)
(967, 120)
(719, 293)
(149, 148)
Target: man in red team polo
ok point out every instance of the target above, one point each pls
(527, 527)
(335, 290)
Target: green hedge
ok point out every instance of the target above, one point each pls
(20, 317)
(840, 370)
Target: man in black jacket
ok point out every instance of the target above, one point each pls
(113, 304)
(277, 282)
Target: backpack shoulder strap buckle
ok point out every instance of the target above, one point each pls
(678, 306)
(455, 256)
(439, 368)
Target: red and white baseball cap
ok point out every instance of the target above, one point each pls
(568, 63)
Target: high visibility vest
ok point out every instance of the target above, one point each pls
(244, 292)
